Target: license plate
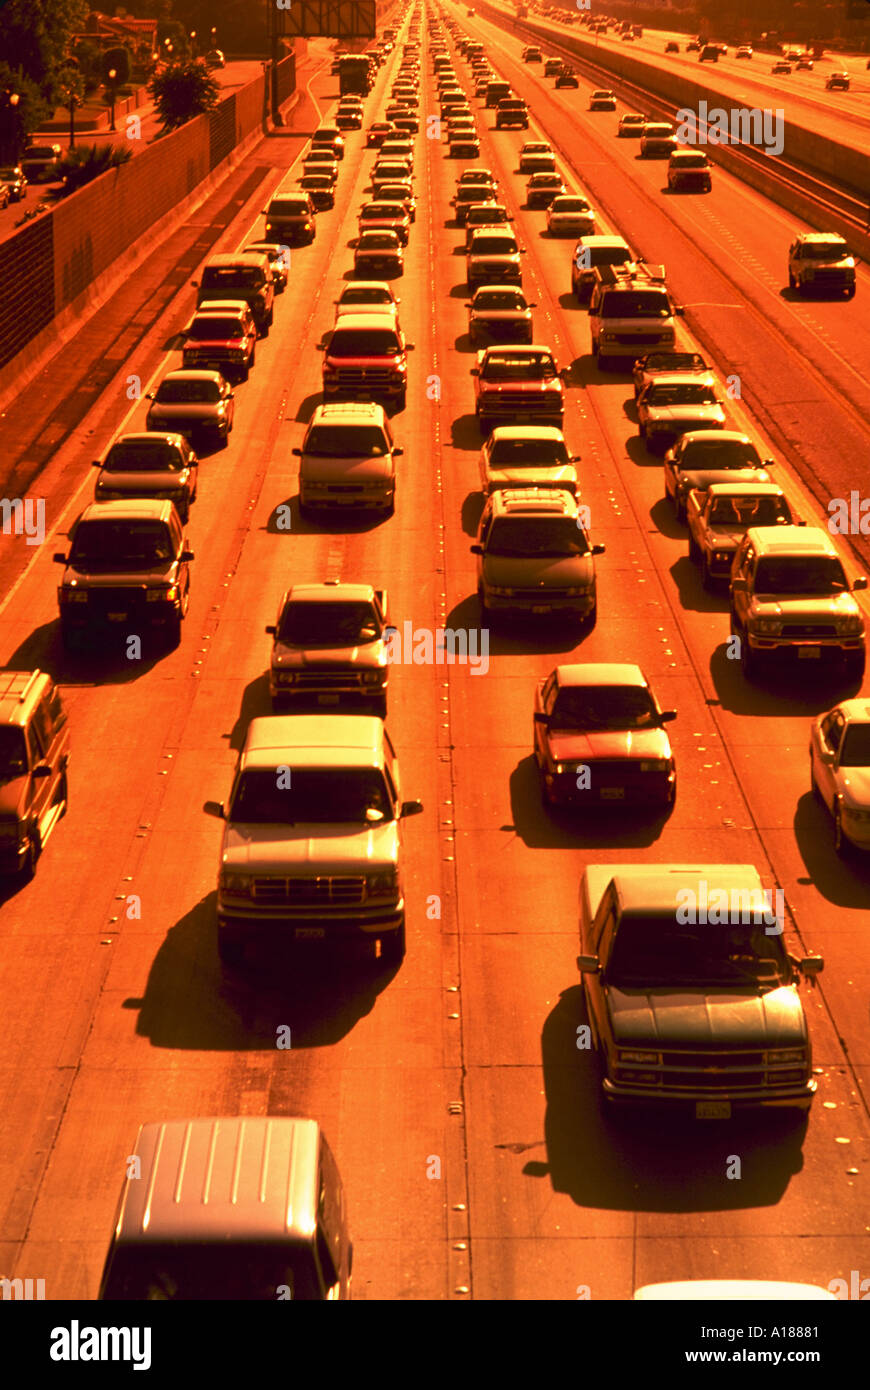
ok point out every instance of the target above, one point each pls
(327, 699)
(809, 653)
(540, 608)
(612, 793)
(116, 617)
(310, 933)
(713, 1110)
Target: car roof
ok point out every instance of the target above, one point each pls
(806, 540)
(129, 509)
(146, 436)
(745, 490)
(649, 890)
(822, 237)
(366, 285)
(366, 318)
(515, 348)
(224, 259)
(600, 673)
(554, 500)
(856, 710)
(723, 436)
(249, 1177)
(678, 379)
(19, 692)
(331, 593)
(348, 413)
(549, 433)
(214, 308)
(192, 374)
(314, 740)
(595, 243)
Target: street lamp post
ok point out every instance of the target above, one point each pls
(113, 74)
(193, 43)
(8, 102)
(72, 102)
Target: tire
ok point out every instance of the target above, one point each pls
(379, 705)
(841, 844)
(641, 429)
(402, 401)
(173, 631)
(814, 786)
(706, 576)
(694, 552)
(591, 619)
(854, 669)
(792, 283)
(184, 513)
(485, 614)
(749, 660)
(63, 791)
(29, 868)
(850, 293)
(271, 319)
(252, 359)
(245, 371)
(393, 946)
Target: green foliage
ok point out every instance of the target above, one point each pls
(90, 59)
(82, 165)
(35, 35)
(17, 122)
(183, 90)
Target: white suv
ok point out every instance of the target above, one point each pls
(348, 458)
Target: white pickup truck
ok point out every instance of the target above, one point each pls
(692, 998)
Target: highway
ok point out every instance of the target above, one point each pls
(467, 1053)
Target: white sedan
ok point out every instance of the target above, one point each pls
(840, 770)
(570, 215)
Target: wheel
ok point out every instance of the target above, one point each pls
(591, 619)
(641, 429)
(402, 401)
(173, 631)
(706, 576)
(485, 614)
(379, 705)
(792, 283)
(245, 371)
(271, 319)
(814, 786)
(63, 791)
(854, 669)
(694, 552)
(253, 357)
(841, 844)
(850, 293)
(393, 947)
(749, 660)
(33, 853)
(184, 513)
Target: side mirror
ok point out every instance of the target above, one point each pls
(476, 549)
(195, 284)
(398, 451)
(599, 548)
(59, 558)
(668, 715)
(215, 808)
(593, 310)
(186, 556)
(297, 451)
(410, 808)
(96, 464)
(769, 463)
(860, 582)
(738, 586)
(42, 770)
(573, 458)
(149, 395)
(409, 347)
(531, 306)
(271, 629)
(679, 310)
(811, 966)
(522, 250)
(565, 373)
(588, 965)
(541, 718)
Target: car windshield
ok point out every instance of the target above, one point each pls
(828, 251)
(232, 278)
(680, 393)
(316, 181)
(719, 453)
(545, 181)
(531, 366)
(672, 362)
(494, 246)
(659, 950)
(378, 241)
(13, 752)
(313, 795)
(211, 327)
(570, 205)
(534, 453)
(749, 511)
(363, 342)
(328, 624)
(855, 751)
(383, 210)
(365, 294)
(657, 132)
(336, 441)
(288, 207)
(635, 304)
(487, 213)
(187, 392)
(499, 299)
(143, 456)
(120, 544)
(692, 161)
(178, 1272)
(800, 574)
(604, 707)
(533, 537)
(468, 193)
(475, 176)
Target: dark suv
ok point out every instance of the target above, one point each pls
(239, 275)
(34, 752)
(128, 569)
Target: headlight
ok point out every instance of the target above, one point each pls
(74, 595)
(722, 555)
(499, 592)
(385, 881)
(767, 626)
(639, 1058)
(608, 337)
(655, 765)
(371, 677)
(850, 626)
(230, 882)
(782, 1056)
(168, 595)
(577, 591)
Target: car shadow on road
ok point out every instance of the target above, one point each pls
(662, 515)
(775, 695)
(286, 520)
(307, 407)
(692, 594)
(601, 827)
(569, 301)
(634, 1160)
(472, 510)
(464, 344)
(640, 454)
(192, 1004)
(844, 881)
(465, 433)
(104, 662)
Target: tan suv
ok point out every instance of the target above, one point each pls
(34, 752)
(348, 458)
(790, 597)
(534, 555)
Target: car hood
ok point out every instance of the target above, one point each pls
(201, 345)
(313, 849)
(501, 315)
(372, 363)
(345, 470)
(291, 658)
(142, 484)
(610, 743)
(12, 793)
(855, 782)
(801, 606)
(531, 387)
(714, 1017)
(185, 410)
(112, 579)
(708, 415)
(546, 572)
(703, 478)
(543, 475)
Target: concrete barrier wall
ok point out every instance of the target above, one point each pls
(816, 153)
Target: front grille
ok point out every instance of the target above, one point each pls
(118, 599)
(308, 892)
(540, 595)
(524, 402)
(832, 276)
(327, 678)
(372, 377)
(212, 354)
(630, 339)
(809, 630)
(714, 1081)
(620, 769)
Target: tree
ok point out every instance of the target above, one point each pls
(18, 119)
(35, 36)
(81, 166)
(183, 90)
(119, 59)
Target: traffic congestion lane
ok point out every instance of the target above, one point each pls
(164, 974)
(503, 820)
